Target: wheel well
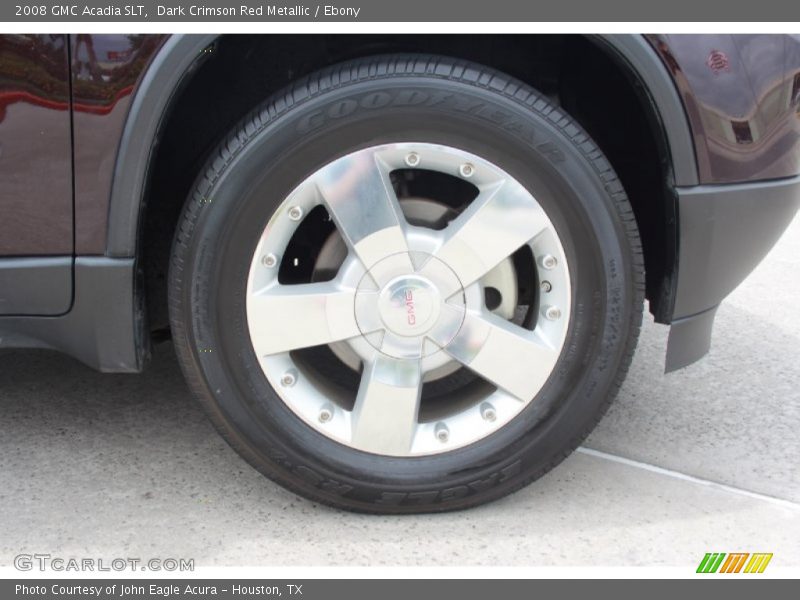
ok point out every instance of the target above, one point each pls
(584, 76)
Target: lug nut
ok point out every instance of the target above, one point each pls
(269, 260)
(488, 412)
(546, 286)
(466, 170)
(325, 414)
(295, 213)
(412, 159)
(289, 378)
(442, 432)
(553, 313)
(549, 261)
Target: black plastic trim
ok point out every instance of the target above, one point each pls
(689, 340)
(36, 285)
(104, 329)
(644, 62)
(726, 230)
(168, 71)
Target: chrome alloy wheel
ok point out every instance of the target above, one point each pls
(410, 303)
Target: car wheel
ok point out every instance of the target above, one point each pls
(406, 284)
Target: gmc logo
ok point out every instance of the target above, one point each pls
(411, 317)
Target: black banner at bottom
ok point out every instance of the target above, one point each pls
(378, 589)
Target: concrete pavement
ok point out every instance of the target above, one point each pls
(705, 459)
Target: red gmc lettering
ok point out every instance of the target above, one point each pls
(412, 317)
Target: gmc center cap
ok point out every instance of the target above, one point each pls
(419, 315)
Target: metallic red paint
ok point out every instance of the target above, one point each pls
(742, 96)
(35, 147)
(105, 71)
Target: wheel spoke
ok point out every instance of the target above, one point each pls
(514, 359)
(499, 221)
(359, 195)
(289, 317)
(385, 412)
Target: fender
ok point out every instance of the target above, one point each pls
(169, 70)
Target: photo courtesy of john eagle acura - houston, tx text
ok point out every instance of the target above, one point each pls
(402, 273)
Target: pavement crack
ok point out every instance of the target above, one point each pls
(690, 478)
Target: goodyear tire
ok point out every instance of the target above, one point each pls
(406, 284)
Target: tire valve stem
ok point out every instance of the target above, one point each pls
(488, 412)
(325, 413)
(295, 213)
(442, 432)
(289, 378)
(466, 170)
(546, 286)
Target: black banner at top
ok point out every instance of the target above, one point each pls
(457, 11)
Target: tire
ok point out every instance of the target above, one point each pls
(368, 108)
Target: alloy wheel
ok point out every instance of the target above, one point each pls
(409, 303)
